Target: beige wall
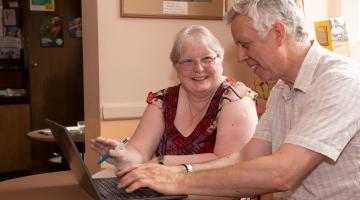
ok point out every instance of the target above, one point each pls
(91, 77)
(133, 58)
(347, 9)
(125, 58)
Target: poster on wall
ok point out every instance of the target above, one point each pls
(42, 5)
(52, 31)
(75, 28)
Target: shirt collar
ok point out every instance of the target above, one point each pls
(308, 67)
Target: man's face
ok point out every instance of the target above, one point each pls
(259, 54)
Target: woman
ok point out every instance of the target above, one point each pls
(204, 117)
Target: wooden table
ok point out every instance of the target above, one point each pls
(43, 136)
(45, 153)
(48, 186)
(54, 186)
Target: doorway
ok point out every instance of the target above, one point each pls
(53, 56)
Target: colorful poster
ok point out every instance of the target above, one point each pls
(42, 5)
(75, 27)
(51, 31)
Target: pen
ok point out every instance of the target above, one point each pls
(119, 146)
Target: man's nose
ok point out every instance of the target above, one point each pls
(242, 54)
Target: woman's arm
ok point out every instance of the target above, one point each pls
(147, 135)
(142, 144)
(236, 125)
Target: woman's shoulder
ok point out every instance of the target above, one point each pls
(158, 97)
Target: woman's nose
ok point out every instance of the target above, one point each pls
(198, 66)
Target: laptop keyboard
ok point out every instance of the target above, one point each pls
(108, 190)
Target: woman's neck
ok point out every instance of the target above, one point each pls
(198, 103)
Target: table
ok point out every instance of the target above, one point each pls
(54, 186)
(40, 153)
(40, 135)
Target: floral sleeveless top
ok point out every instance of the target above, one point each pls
(202, 139)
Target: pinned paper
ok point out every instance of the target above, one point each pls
(175, 7)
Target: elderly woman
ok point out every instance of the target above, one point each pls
(204, 117)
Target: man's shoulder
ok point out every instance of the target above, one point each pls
(337, 66)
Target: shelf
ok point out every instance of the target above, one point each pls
(13, 100)
(11, 62)
(12, 69)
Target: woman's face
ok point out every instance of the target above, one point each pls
(199, 70)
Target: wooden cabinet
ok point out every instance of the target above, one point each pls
(14, 145)
(15, 152)
(13, 86)
(14, 116)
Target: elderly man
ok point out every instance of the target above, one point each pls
(307, 143)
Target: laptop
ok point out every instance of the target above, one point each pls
(99, 189)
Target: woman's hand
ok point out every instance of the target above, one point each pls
(104, 146)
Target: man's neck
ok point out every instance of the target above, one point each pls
(296, 55)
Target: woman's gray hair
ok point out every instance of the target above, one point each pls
(202, 34)
(264, 13)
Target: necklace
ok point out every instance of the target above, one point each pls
(194, 115)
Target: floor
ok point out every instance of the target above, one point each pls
(10, 175)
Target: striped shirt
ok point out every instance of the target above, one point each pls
(321, 113)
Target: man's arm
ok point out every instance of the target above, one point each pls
(255, 148)
(281, 171)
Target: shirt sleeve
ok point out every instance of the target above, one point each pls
(235, 91)
(156, 98)
(264, 127)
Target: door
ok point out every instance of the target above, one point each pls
(55, 70)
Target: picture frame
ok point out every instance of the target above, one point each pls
(42, 5)
(174, 9)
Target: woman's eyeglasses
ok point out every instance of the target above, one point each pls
(205, 62)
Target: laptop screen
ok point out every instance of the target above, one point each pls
(73, 157)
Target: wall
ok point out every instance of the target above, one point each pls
(134, 58)
(347, 9)
(314, 11)
(91, 77)
(125, 58)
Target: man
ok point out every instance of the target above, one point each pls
(307, 143)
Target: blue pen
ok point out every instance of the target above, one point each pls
(119, 146)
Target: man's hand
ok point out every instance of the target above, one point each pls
(164, 179)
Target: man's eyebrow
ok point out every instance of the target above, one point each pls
(242, 42)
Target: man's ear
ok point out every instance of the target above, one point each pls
(280, 32)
